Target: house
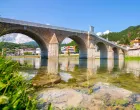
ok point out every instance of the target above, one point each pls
(68, 49)
(21, 52)
(136, 43)
(38, 51)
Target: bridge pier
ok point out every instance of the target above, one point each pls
(44, 54)
(121, 55)
(110, 53)
(53, 48)
(91, 53)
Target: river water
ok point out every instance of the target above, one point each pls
(84, 73)
(93, 84)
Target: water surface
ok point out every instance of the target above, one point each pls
(82, 73)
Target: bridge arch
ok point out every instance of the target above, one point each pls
(102, 48)
(31, 34)
(81, 44)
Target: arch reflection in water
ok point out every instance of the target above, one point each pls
(51, 65)
(74, 68)
(29, 62)
(68, 64)
(93, 65)
(48, 73)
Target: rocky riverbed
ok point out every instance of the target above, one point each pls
(100, 96)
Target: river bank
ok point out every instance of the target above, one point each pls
(102, 96)
(68, 56)
(38, 56)
(132, 58)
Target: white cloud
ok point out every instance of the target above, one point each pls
(99, 33)
(8, 38)
(67, 40)
(103, 33)
(47, 24)
(20, 38)
(15, 38)
(107, 32)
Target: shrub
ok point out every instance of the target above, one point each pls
(15, 91)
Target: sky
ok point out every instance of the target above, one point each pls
(112, 15)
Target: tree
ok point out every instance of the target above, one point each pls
(124, 36)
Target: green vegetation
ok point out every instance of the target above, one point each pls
(137, 106)
(31, 43)
(27, 53)
(16, 93)
(51, 107)
(127, 81)
(125, 36)
(121, 102)
(132, 58)
(12, 46)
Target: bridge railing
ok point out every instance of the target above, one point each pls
(25, 23)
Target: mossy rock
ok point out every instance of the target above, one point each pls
(45, 79)
(72, 80)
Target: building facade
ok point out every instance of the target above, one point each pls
(68, 49)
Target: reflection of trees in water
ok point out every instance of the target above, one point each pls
(76, 67)
(68, 65)
(126, 80)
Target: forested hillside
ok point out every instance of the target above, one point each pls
(31, 43)
(13, 45)
(125, 36)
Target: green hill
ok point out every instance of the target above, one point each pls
(14, 46)
(31, 43)
(125, 36)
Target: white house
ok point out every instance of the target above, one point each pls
(38, 51)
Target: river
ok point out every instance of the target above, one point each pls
(81, 73)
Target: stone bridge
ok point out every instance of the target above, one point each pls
(49, 37)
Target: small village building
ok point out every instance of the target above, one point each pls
(68, 49)
(134, 51)
(136, 43)
(38, 51)
(21, 52)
